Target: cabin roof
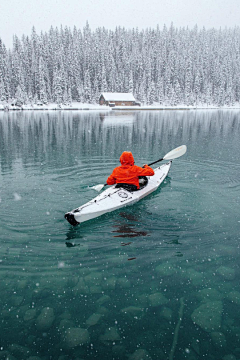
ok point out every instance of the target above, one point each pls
(118, 96)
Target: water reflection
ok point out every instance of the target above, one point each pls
(174, 241)
(127, 231)
(73, 233)
(119, 119)
(40, 137)
(129, 216)
(70, 245)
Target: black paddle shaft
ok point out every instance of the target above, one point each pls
(155, 162)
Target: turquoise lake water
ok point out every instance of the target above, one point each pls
(72, 292)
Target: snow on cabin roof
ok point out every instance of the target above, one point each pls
(118, 96)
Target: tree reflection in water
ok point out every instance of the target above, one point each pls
(128, 231)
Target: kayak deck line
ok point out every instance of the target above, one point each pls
(115, 198)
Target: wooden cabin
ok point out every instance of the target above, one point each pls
(118, 99)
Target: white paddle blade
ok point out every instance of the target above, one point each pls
(175, 153)
(98, 187)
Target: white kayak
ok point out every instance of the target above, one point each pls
(115, 198)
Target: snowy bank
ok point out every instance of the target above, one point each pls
(52, 106)
(96, 107)
(177, 107)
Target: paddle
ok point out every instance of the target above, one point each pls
(173, 154)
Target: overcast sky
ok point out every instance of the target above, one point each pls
(18, 17)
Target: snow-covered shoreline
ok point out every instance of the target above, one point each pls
(51, 106)
(96, 107)
(182, 107)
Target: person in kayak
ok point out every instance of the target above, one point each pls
(127, 175)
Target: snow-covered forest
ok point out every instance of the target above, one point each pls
(169, 66)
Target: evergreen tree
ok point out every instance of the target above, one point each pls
(57, 87)
(130, 83)
(69, 96)
(160, 97)
(197, 88)
(87, 88)
(167, 85)
(178, 98)
(104, 85)
(151, 94)
(42, 83)
(188, 84)
(3, 97)
(20, 96)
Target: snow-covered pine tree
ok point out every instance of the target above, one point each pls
(87, 88)
(177, 93)
(167, 85)
(57, 87)
(42, 83)
(130, 82)
(69, 96)
(151, 93)
(197, 88)
(188, 84)
(160, 92)
(104, 85)
(3, 96)
(19, 96)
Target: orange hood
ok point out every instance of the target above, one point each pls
(127, 158)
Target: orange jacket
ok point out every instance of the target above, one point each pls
(128, 173)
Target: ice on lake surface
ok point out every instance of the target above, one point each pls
(73, 292)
